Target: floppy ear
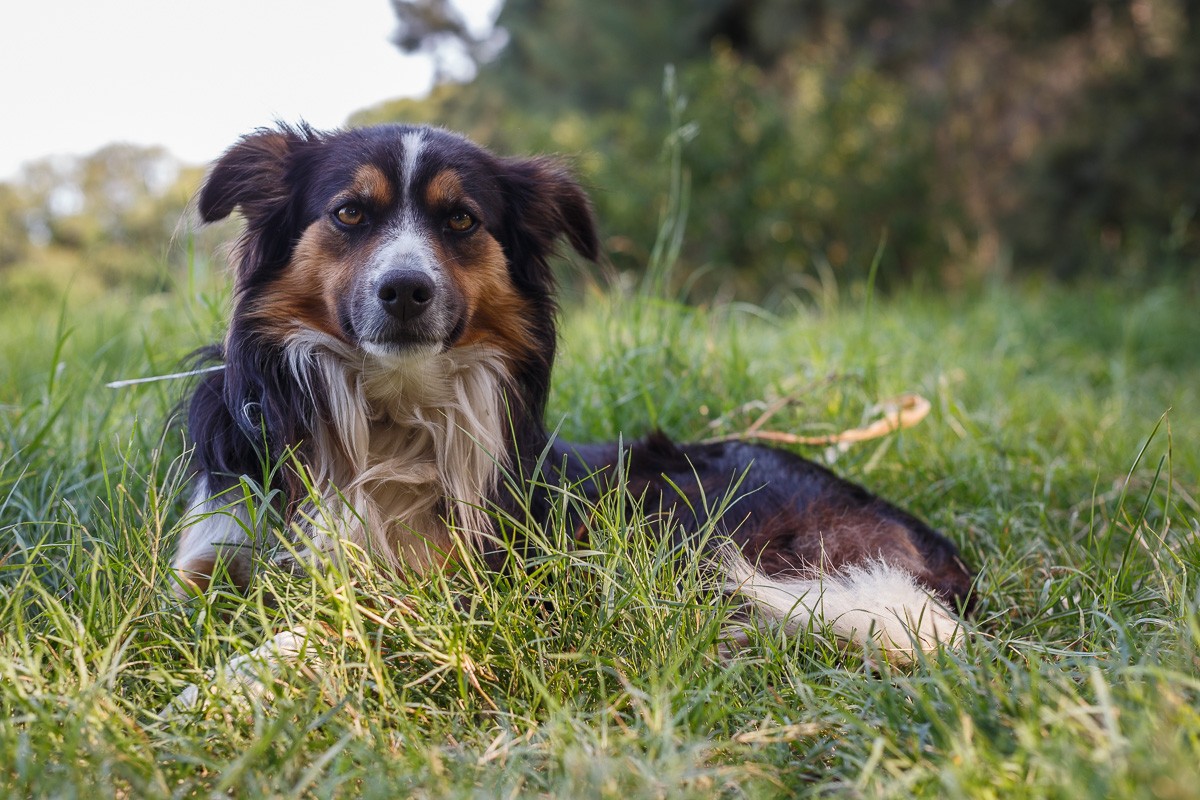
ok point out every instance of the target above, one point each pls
(544, 203)
(251, 174)
(256, 177)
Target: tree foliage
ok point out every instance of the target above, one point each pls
(108, 219)
(976, 136)
(970, 137)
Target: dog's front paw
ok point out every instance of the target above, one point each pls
(186, 701)
(248, 679)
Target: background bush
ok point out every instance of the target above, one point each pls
(973, 140)
(979, 138)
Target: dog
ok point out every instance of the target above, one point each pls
(392, 338)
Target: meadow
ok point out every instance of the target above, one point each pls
(1060, 454)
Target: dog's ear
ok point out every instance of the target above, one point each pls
(252, 175)
(545, 203)
(256, 176)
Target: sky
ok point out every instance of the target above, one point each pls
(191, 76)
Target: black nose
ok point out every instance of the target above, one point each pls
(405, 293)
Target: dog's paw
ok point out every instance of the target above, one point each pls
(249, 679)
(186, 701)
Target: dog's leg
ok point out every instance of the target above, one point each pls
(215, 533)
(875, 605)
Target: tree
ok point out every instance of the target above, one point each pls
(1062, 133)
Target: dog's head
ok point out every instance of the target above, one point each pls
(402, 249)
(396, 240)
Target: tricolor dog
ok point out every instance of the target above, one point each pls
(391, 342)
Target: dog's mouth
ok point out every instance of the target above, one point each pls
(401, 339)
(399, 342)
(392, 356)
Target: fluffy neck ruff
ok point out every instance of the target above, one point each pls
(407, 450)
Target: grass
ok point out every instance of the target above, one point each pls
(1061, 455)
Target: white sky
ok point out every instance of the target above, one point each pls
(192, 76)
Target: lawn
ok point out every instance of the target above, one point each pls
(1061, 455)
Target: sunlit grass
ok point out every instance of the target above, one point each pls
(1061, 455)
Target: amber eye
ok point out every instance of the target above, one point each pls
(460, 222)
(350, 214)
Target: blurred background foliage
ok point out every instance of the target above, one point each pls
(114, 220)
(974, 139)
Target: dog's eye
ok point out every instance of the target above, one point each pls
(350, 214)
(460, 222)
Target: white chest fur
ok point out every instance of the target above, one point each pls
(403, 458)
(410, 451)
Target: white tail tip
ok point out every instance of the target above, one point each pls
(873, 606)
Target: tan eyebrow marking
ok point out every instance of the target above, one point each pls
(445, 189)
(371, 184)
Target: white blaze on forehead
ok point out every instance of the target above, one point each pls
(407, 247)
(411, 145)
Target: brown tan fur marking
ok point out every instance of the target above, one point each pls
(372, 186)
(496, 311)
(306, 292)
(444, 190)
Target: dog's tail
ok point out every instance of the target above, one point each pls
(876, 606)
